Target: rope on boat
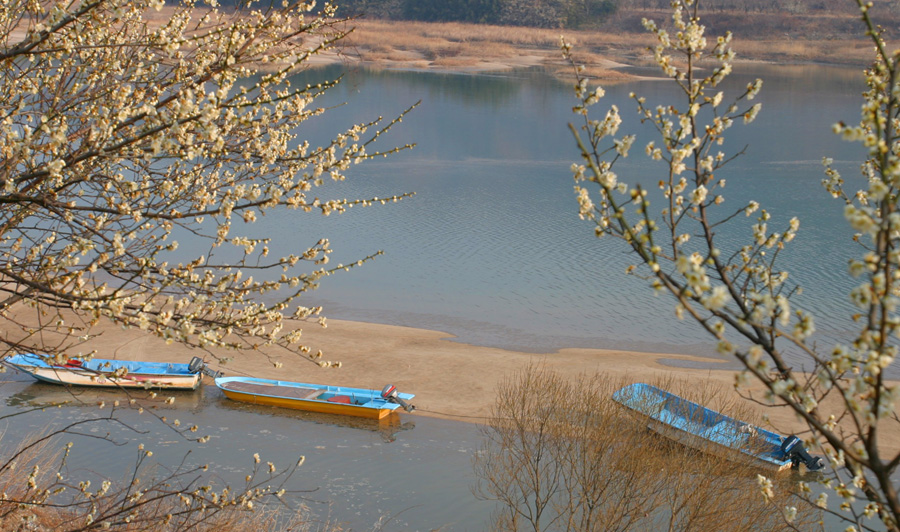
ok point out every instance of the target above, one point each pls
(418, 409)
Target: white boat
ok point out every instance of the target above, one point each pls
(112, 373)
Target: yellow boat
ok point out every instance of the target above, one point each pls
(357, 402)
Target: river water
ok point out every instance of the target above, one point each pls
(491, 250)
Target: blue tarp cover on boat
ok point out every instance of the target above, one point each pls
(99, 364)
(691, 418)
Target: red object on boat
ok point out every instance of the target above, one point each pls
(340, 399)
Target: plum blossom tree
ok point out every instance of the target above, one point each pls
(125, 129)
(740, 294)
(128, 125)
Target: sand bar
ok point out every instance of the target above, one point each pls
(450, 379)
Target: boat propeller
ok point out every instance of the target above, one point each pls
(197, 365)
(390, 393)
(793, 449)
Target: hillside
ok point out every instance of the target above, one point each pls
(794, 19)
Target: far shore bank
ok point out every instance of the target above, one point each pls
(474, 48)
(606, 53)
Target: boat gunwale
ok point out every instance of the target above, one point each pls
(36, 362)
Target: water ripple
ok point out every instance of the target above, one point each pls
(491, 248)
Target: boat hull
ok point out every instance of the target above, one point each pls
(309, 406)
(699, 443)
(310, 397)
(99, 373)
(704, 429)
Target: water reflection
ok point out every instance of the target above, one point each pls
(44, 395)
(490, 89)
(387, 427)
(410, 470)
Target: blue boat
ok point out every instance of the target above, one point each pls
(709, 431)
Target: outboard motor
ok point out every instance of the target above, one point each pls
(793, 449)
(390, 393)
(197, 365)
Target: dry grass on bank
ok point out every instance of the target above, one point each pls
(408, 34)
(561, 450)
(475, 47)
(843, 52)
(471, 47)
(460, 47)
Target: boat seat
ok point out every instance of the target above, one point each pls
(679, 422)
(296, 392)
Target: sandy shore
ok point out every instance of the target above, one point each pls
(450, 379)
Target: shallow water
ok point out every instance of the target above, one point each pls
(407, 473)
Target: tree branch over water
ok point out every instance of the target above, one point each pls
(123, 136)
(140, 144)
(741, 294)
